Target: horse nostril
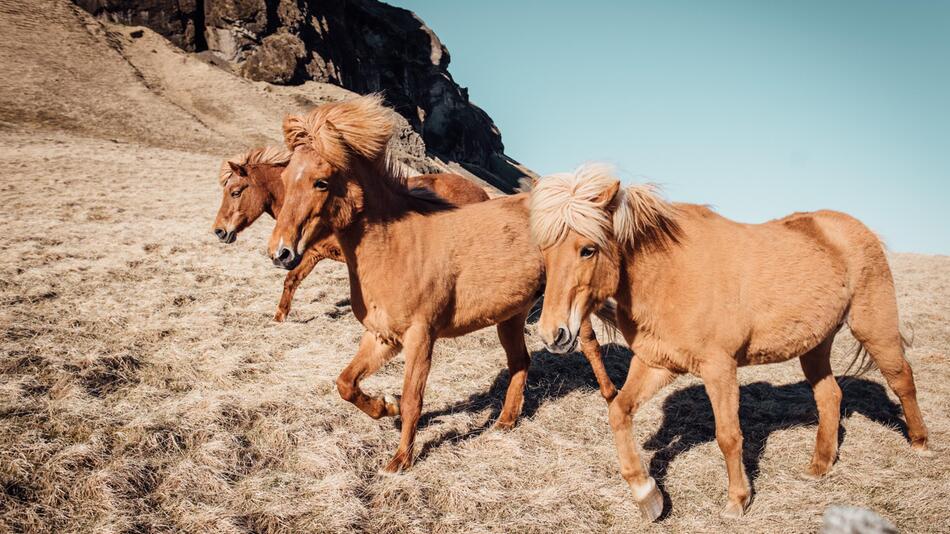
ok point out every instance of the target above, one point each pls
(561, 337)
(285, 255)
(221, 233)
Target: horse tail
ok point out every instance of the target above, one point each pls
(860, 363)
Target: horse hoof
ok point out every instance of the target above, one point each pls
(733, 510)
(504, 426)
(280, 316)
(922, 450)
(392, 405)
(814, 473)
(398, 464)
(650, 500)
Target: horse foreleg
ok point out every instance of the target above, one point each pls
(311, 257)
(591, 349)
(370, 356)
(511, 335)
(722, 386)
(417, 345)
(642, 383)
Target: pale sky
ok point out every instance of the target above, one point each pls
(757, 108)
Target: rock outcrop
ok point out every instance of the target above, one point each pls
(361, 45)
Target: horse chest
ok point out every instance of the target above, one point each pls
(376, 320)
(372, 311)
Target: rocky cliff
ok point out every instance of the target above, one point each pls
(361, 45)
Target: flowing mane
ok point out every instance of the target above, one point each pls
(575, 201)
(268, 155)
(341, 131)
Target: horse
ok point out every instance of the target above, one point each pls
(419, 268)
(698, 293)
(251, 186)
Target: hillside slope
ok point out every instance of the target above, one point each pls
(131, 85)
(361, 45)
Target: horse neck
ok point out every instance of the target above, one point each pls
(269, 178)
(385, 201)
(645, 272)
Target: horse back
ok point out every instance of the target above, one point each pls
(765, 292)
(453, 188)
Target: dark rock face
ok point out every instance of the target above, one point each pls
(179, 21)
(362, 45)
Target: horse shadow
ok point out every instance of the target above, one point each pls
(551, 376)
(687, 413)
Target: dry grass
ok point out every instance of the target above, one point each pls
(145, 387)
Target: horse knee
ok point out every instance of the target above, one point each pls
(347, 389)
(835, 393)
(729, 440)
(618, 413)
(828, 391)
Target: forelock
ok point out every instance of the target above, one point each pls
(571, 201)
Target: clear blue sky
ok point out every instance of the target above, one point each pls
(757, 108)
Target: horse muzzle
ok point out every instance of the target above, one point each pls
(225, 236)
(564, 341)
(286, 258)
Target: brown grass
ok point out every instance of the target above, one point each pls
(145, 387)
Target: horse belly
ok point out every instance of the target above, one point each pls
(797, 313)
(497, 299)
(490, 292)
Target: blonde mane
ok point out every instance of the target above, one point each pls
(575, 201)
(268, 155)
(358, 128)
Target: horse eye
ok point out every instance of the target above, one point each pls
(237, 192)
(320, 185)
(588, 251)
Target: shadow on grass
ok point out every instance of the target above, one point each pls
(687, 414)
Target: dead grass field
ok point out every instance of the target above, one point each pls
(145, 388)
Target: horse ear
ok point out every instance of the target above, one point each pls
(606, 197)
(238, 169)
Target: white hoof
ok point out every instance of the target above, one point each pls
(649, 499)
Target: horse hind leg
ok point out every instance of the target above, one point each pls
(511, 335)
(817, 367)
(874, 322)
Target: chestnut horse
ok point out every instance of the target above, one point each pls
(420, 269)
(698, 293)
(252, 186)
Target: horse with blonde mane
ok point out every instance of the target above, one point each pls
(698, 293)
(419, 269)
(251, 186)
